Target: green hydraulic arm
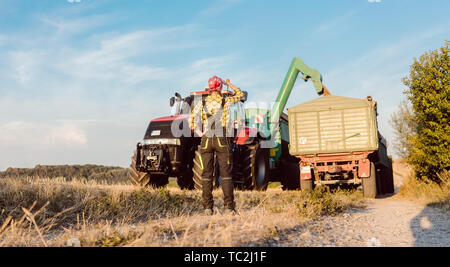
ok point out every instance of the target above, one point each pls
(297, 66)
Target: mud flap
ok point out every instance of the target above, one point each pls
(305, 171)
(364, 168)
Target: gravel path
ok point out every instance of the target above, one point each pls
(385, 222)
(389, 221)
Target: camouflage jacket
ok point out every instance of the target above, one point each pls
(213, 105)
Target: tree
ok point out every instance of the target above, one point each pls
(429, 94)
(404, 125)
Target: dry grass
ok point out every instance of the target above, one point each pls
(98, 173)
(428, 192)
(48, 212)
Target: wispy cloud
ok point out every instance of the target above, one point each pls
(336, 22)
(69, 27)
(379, 73)
(217, 7)
(389, 59)
(112, 58)
(19, 133)
(49, 87)
(105, 59)
(199, 71)
(23, 65)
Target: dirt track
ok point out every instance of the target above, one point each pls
(387, 221)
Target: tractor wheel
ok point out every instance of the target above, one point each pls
(247, 157)
(370, 183)
(144, 179)
(255, 168)
(197, 171)
(291, 176)
(138, 178)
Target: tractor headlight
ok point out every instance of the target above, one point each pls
(161, 141)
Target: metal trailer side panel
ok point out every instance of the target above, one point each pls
(381, 156)
(284, 127)
(333, 125)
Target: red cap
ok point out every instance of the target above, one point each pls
(215, 84)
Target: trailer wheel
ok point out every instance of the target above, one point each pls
(144, 179)
(370, 183)
(380, 176)
(291, 176)
(390, 179)
(307, 185)
(197, 171)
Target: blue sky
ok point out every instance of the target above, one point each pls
(79, 81)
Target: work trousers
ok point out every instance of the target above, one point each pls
(221, 147)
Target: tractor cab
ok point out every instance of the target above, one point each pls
(180, 105)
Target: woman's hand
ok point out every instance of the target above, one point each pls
(199, 133)
(229, 84)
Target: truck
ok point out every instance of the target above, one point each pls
(260, 145)
(338, 143)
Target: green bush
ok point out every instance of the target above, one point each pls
(428, 192)
(323, 201)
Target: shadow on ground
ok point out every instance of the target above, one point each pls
(431, 228)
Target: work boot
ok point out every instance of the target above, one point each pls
(208, 212)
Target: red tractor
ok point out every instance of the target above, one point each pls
(260, 143)
(169, 148)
